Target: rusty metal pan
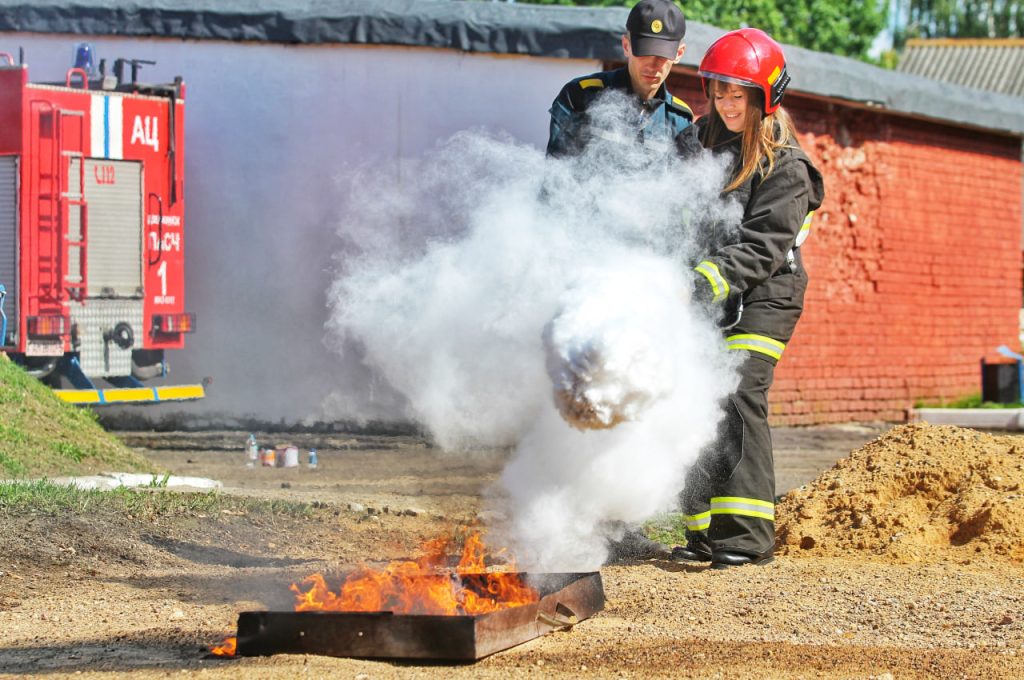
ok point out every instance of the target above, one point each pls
(565, 600)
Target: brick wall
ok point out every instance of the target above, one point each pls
(914, 259)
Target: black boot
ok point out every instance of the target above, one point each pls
(723, 559)
(697, 549)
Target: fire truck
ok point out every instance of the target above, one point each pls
(92, 226)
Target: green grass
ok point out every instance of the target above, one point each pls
(43, 497)
(668, 529)
(970, 401)
(41, 435)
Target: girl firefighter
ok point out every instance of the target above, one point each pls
(757, 281)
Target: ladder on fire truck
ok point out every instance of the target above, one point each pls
(54, 282)
(75, 282)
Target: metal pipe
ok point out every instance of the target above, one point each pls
(42, 370)
(3, 316)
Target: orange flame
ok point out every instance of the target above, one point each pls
(226, 648)
(422, 586)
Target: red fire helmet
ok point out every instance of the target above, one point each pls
(748, 57)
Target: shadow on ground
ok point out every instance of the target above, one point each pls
(215, 555)
(163, 648)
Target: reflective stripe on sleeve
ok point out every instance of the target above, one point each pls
(805, 230)
(591, 82)
(748, 507)
(756, 343)
(699, 522)
(719, 286)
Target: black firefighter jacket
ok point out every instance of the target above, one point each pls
(759, 263)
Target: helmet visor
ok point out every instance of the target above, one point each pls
(728, 79)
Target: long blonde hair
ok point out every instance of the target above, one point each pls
(762, 135)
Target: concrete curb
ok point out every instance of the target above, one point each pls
(108, 481)
(980, 418)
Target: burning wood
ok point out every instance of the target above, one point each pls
(421, 609)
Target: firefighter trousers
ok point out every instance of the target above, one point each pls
(729, 493)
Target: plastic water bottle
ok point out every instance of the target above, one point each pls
(252, 451)
(312, 459)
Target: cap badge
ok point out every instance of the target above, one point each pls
(656, 26)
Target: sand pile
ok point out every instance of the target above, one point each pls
(918, 493)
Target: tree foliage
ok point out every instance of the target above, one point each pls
(846, 27)
(958, 19)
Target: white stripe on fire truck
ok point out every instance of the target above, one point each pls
(96, 124)
(107, 127)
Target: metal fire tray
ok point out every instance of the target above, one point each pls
(564, 600)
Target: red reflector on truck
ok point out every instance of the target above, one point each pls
(174, 323)
(49, 326)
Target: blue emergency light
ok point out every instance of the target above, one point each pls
(84, 57)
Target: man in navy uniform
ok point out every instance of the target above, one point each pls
(652, 44)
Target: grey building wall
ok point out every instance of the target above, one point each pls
(274, 136)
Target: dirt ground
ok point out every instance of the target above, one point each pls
(144, 597)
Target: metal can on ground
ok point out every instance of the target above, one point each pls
(251, 452)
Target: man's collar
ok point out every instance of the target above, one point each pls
(621, 79)
(660, 97)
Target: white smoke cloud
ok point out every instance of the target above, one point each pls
(611, 346)
(481, 284)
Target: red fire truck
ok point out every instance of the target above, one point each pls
(92, 229)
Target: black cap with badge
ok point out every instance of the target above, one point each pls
(656, 28)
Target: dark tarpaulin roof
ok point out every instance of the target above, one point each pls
(496, 27)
